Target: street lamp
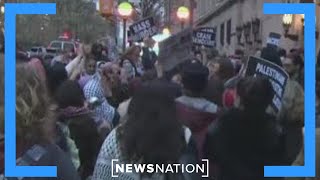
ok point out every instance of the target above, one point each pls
(125, 11)
(166, 31)
(2, 9)
(287, 20)
(183, 14)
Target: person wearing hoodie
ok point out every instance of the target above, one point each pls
(246, 138)
(270, 52)
(75, 116)
(193, 110)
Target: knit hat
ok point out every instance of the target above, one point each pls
(195, 76)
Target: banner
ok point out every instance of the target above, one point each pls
(176, 49)
(276, 75)
(106, 7)
(205, 36)
(142, 29)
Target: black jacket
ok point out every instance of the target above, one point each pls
(148, 59)
(242, 143)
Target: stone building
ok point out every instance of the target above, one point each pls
(241, 24)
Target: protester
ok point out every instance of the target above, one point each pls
(193, 110)
(299, 161)
(66, 56)
(90, 71)
(270, 52)
(215, 86)
(245, 139)
(100, 87)
(74, 114)
(130, 61)
(224, 70)
(35, 119)
(134, 85)
(96, 50)
(294, 67)
(292, 112)
(149, 57)
(119, 86)
(56, 75)
(151, 135)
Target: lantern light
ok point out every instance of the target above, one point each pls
(125, 9)
(183, 13)
(166, 31)
(287, 19)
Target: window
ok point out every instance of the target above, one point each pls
(222, 34)
(56, 45)
(68, 46)
(34, 50)
(229, 31)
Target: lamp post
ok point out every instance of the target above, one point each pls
(183, 14)
(125, 11)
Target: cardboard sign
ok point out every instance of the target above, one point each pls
(274, 39)
(276, 75)
(204, 37)
(176, 49)
(142, 29)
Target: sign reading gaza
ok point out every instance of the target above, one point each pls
(142, 29)
(276, 75)
(205, 37)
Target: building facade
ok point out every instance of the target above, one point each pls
(241, 24)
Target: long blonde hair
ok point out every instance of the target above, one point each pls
(35, 114)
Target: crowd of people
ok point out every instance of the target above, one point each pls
(79, 113)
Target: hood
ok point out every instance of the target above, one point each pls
(197, 115)
(195, 118)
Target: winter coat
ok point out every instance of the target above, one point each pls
(241, 144)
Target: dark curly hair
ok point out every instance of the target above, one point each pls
(152, 132)
(256, 93)
(69, 93)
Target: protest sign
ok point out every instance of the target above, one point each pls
(204, 36)
(276, 75)
(142, 29)
(176, 49)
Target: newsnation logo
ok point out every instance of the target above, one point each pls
(119, 168)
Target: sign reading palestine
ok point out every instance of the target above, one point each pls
(276, 75)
